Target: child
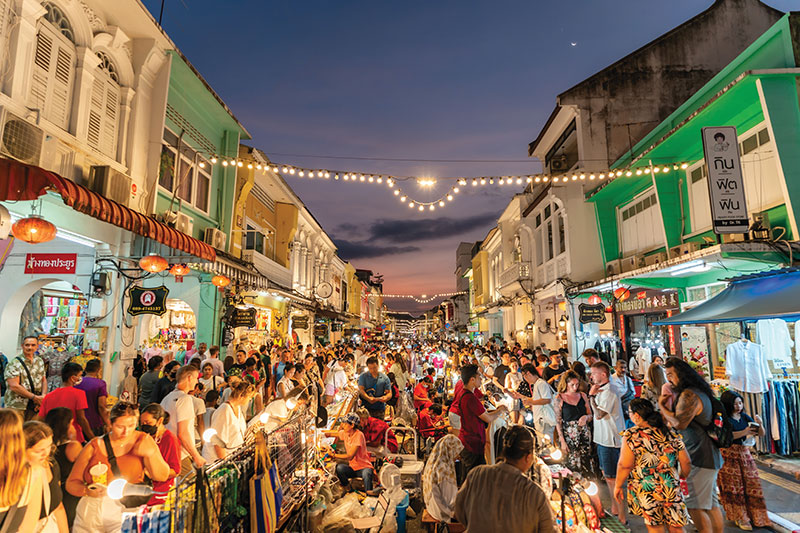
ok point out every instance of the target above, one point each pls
(212, 397)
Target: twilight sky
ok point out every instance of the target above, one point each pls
(455, 80)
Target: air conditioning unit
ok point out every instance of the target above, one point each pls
(215, 238)
(613, 267)
(184, 223)
(20, 139)
(110, 183)
(655, 259)
(559, 164)
(631, 262)
(684, 249)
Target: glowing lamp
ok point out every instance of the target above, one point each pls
(562, 306)
(179, 271)
(556, 455)
(153, 263)
(622, 294)
(264, 418)
(220, 281)
(33, 229)
(594, 299)
(591, 489)
(209, 434)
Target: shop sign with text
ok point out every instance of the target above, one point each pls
(244, 318)
(50, 263)
(649, 302)
(592, 313)
(725, 181)
(147, 301)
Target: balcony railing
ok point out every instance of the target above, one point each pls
(516, 272)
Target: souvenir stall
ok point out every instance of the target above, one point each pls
(755, 323)
(173, 332)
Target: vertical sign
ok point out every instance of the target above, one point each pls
(725, 182)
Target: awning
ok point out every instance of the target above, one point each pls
(19, 181)
(774, 294)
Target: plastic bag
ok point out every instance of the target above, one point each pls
(405, 409)
(341, 512)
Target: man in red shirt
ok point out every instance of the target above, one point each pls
(421, 398)
(375, 431)
(74, 399)
(430, 423)
(474, 420)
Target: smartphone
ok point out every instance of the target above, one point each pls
(753, 425)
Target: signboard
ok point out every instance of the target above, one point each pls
(592, 313)
(320, 330)
(474, 328)
(147, 301)
(243, 318)
(649, 302)
(694, 348)
(725, 182)
(50, 263)
(299, 322)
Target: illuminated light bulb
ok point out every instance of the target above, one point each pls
(628, 173)
(638, 171)
(209, 434)
(656, 170)
(441, 203)
(214, 160)
(347, 177)
(483, 181)
(250, 166)
(396, 192)
(371, 179)
(259, 167)
(538, 179)
(519, 181)
(327, 174)
(274, 169)
(574, 177)
(411, 205)
(502, 181)
(555, 179)
(602, 176)
(336, 176)
(556, 455)
(402, 198)
(591, 489)
(301, 173)
(530, 179)
(264, 418)
(675, 166)
(240, 164)
(310, 173)
(224, 163)
(284, 170)
(665, 170)
(491, 181)
(647, 171)
(291, 403)
(583, 176)
(202, 165)
(380, 179)
(684, 166)
(449, 197)
(474, 183)
(591, 176)
(116, 488)
(361, 177)
(422, 208)
(619, 173)
(545, 179)
(456, 190)
(291, 171)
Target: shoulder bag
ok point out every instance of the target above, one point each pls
(31, 409)
(126, 501)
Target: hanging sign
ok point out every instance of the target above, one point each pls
(320, 330)
(592, 313)
(652, 301)
(243, 318)
(725, 181)
(50, 263)
(299, 322)
(473, 328)
(147, 301)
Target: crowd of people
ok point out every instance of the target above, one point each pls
(60, 449)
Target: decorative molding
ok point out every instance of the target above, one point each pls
(95, 22)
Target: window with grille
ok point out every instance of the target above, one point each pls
(188, 175)
(53, 68)
(104, 108)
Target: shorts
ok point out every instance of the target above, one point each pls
(702, 484)
(455, 420)
(609, 457)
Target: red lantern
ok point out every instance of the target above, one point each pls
(153, 263)
(220, 281)
(609, 309)
(594, 299)
(622, 294)
(179, 271)
(33, 229)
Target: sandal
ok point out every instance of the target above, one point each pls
(744, 526)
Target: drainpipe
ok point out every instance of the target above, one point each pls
(683, 213)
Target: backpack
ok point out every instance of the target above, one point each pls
(720, 429)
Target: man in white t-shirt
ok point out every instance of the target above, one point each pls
(608, 424)
(182, 418)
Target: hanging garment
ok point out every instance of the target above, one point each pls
(746, 366)
(773, 335)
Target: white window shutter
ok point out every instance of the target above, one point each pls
(41, 72)
(64, 72)
(52, 77)
(110, 118)
(96, 105)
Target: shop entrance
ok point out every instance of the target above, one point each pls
(172, 334)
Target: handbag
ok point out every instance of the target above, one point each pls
(264, 505)
(126, 501)
(31, 409)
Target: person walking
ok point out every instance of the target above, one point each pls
(608, 424)
(499, 497)
(182, 419)
(229, 424)
(96, 396)
(38, 452)
(148, 380)
(68, 395)
(213, 359)
(573, 423)
(166, 383)
(653, 458)
(739, 485)
(67, 451)
(439, 483)
(151, 421)
(691, 416)
(474, 420)
(26, 380)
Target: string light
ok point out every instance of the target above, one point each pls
(423, 299)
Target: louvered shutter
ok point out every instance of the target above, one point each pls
(96, 105)
(110, 118)
(52, 77)
(4, 26)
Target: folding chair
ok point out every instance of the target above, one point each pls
(377, 518)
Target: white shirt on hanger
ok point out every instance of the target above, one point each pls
(746, 366)
(643, 360)
(773, 335)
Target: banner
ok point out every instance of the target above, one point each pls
(50, 263)
(147, 301)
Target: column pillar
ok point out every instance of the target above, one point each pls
(126, 99)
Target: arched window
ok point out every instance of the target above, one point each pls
(53, 67)
(104, 108)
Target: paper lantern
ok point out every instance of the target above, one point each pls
(220, 281)
(562, 306)
(179, 271)
(33, 229)
(622, 294)
(594, 299)
(153, 263)
(609, 309)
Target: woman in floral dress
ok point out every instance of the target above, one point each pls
(573, 427)
(653, 454)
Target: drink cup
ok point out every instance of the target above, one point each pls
(99, 473)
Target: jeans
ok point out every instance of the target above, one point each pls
(345, 473)
(470, 460)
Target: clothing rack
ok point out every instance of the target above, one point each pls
(779, 409)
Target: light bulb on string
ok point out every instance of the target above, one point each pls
(240, 164)
(502, 181)
(449, 197)
(224, 163)
(291, 171)
(380, 179)
(214, 160)
(371, 179)
(441, 203)
(474, 183)
(361, 177)
(519, 181)
(284, 170)
(402, 198)
(202, 165)
(336, 176)
(483, 181)
(396, 192)
(538, 179)
(250, 166)
(411, 205)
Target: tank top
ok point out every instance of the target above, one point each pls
(572, 413)
(56, 495)
(701, 449)
(130, 465)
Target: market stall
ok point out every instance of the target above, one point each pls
(173, 332)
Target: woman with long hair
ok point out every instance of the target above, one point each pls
(39, 452)
(153, 421)
(21, 483)
(739, 485)
(67, 451)
(654, 381)
(573, 426)
(652, 455)
(135, 454)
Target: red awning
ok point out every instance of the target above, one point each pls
(19, 181)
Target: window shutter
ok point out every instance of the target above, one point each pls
(61, 97)
(103, 113)
(96, 106)
(41, 71)
(52, 77)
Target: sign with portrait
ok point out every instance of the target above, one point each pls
(145, 301)
(725, 181)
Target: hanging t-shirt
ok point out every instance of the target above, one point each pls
(773, 336)
(746, 367)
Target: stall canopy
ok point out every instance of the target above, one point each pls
(774, 294)
(19, 181)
